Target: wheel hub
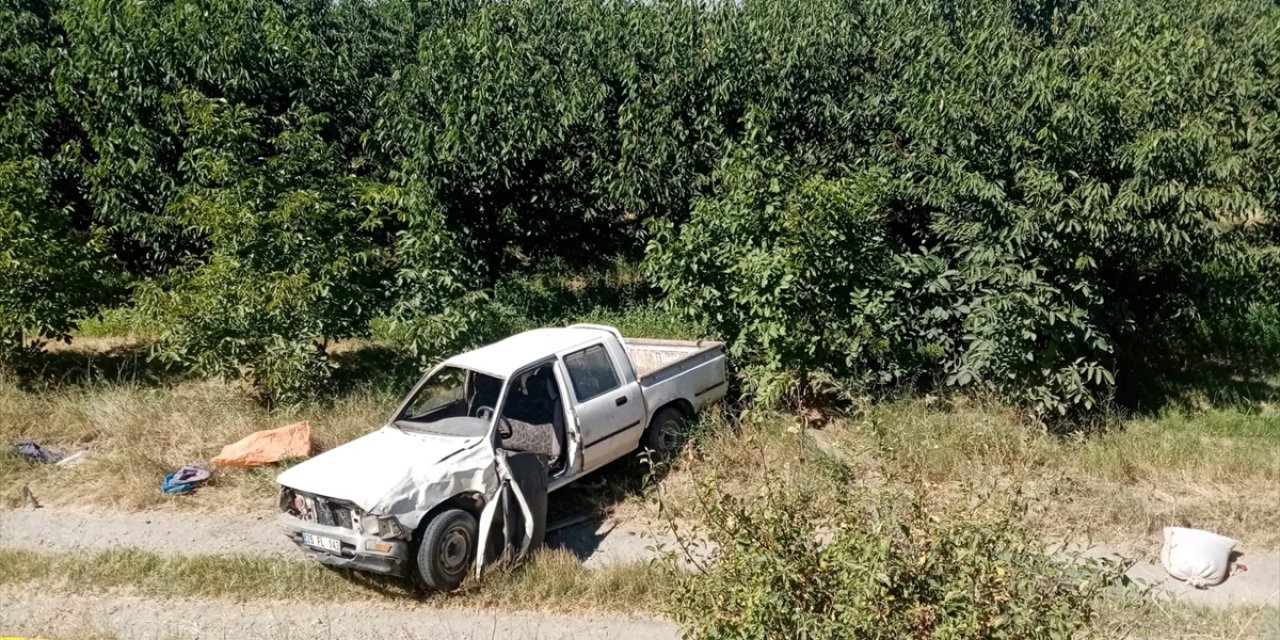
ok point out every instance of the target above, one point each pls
(454, 550)
(670, 436)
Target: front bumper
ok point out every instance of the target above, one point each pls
(354, 554)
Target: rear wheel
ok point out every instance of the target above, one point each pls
(447, 550)
(667, 433)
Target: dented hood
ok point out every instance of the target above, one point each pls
(397, 472)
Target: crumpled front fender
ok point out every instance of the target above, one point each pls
(469, 471)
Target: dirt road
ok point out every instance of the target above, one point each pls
(185, 533)
(128, 617)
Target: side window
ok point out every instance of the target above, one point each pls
(591, 372)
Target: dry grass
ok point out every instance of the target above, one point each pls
(1213, 468)
(556, 579)
(1180, 621)
(134, 430)
(1217, 468)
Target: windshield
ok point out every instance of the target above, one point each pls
(452, 392)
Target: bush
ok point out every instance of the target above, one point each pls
(265, 297)
(884, 565)
(554, 295)
(55, 266)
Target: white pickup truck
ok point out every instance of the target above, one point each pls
(461, 471)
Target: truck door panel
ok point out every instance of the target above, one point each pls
(610, 412)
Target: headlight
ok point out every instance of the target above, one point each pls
(295, 505)
(381, 526)
(389, 527)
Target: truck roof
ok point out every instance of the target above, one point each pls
(505, 357)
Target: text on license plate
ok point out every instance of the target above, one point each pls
(329, 544)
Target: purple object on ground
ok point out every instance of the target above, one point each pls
(32, 452)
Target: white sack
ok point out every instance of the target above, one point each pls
(1197, 557)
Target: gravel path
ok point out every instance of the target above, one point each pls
(174, 532)
(130, 618)
(167, 532)
(1259, 585)
(187, 533)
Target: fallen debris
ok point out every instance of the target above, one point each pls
(267, 447)
(32, 452)
(28, 498)
(71, 459)
(184, 480)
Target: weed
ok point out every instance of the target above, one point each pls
(552, 580)
(883, 564)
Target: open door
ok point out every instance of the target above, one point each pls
(514, 521)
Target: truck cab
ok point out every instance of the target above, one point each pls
(485, 432)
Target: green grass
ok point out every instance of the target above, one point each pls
(553, 580)
(232, 576)
(117, 321)
(645, 321)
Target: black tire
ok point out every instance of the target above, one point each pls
(447, 551)
(666, 433)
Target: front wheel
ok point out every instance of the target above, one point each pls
(667, 433)
(447, 550)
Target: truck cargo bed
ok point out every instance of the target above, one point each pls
(650, 357)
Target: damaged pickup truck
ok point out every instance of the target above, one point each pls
(460, 474)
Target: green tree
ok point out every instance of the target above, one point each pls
(292, 259)
(1064, 187)
(54, 268)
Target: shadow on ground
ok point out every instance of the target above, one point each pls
(1199, 386)
(374, 366)
(124, 361)
(132, 361)
(593, 499)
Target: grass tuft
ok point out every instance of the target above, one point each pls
(553, 580)
(556, 575)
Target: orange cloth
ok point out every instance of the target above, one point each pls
(266, 447)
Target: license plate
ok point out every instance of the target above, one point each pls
(323, 542)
